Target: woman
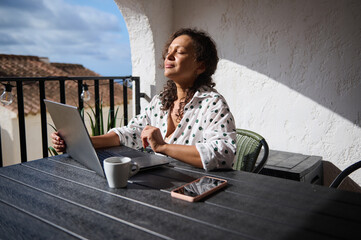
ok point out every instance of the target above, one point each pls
(189, 121)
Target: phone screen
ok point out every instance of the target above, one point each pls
(199, 187)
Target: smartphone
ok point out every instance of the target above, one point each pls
(199, 188)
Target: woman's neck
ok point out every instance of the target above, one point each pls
(182, 91)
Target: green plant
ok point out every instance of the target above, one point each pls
(111, 121)
(52, 150)
(81, 111)
(97, 127)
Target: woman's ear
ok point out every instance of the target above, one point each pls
(201, 68)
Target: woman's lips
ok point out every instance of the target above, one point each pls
(169, 65)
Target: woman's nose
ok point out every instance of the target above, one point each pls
(170, 56)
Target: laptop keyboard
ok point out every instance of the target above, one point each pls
(103, 155)
(146, 158)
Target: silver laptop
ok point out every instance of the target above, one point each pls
(71, 128)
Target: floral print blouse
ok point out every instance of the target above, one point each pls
(207, 123)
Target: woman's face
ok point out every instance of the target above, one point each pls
(180, 63)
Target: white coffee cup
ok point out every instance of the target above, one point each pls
(118, 170)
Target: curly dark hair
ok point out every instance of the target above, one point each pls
(206, 52)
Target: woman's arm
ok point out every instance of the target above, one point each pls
(188, 154)
(110, 139)
(128, 135)
(185, 153)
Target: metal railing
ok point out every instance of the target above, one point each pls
(41, 80)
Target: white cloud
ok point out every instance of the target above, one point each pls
(60, 30)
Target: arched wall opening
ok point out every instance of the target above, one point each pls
(148, 28)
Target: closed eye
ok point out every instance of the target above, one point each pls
(178, 52)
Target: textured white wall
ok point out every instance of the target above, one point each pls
(149, 25)
(290, 70)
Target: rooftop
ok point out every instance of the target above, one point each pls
(34, 66)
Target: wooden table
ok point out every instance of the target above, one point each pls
(57, 198)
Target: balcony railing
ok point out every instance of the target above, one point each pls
(18, 81)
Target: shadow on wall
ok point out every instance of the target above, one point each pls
(312, 47)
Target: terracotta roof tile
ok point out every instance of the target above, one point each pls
(74, 69)
(33, 66)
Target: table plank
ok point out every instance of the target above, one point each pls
(308, 200)
(280, 185)
(244, 224)
(70, 217)
(122, 208)
(316, 221)
(14, 224)
(294, 208)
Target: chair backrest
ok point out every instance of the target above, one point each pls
(249, 145)
(338, 180)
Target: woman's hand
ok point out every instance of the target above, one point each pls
(110, 139)
(152, 136)
(58, 142)
(188, 154)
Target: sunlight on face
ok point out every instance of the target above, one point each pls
(180, 64)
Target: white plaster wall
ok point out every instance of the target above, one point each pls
(290, 70)
(149, 25)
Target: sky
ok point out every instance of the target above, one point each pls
(88, 32)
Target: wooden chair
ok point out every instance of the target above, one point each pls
(249, 145)
(340, 177)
